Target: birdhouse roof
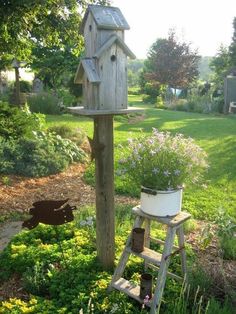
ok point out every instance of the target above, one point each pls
(87, 66)
(111, 40)
(106, 17)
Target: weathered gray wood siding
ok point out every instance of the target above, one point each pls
(113, 86)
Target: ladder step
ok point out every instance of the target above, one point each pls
(130, 289)
(149, 255)
(171, 275)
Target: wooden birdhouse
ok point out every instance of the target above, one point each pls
(103, 72)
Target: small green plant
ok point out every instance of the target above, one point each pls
(6, 180)
(45, 103)
(206, 235)
(227, 234)
(159, 102)
(75, 135)
(67, 99)
(36, 280)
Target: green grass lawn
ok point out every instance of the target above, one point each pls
(215, 134)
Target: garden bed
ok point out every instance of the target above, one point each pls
(18, 193)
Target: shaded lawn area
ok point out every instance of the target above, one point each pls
(215, 134)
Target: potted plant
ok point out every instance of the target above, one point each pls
(161, 164)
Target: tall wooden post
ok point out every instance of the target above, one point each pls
(16, 65)
(17, 90)
(104, 161)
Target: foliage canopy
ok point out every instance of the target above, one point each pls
(172, 63)
(43, 33)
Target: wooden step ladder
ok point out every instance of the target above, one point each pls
(153, 259)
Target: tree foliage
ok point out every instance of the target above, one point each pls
(172, 63)
(220, 64)
(45, 33)
(232, 47)
(225, 60)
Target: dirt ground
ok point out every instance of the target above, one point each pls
(20, 193)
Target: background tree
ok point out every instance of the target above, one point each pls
(232, 47)
(134, 69)
(43, 33)
(220, 64)
(205, 72)
(172, 63)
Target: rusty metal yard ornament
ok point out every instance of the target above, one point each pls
(49, 212)
(53, 213)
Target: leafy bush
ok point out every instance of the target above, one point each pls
(228, 246)
(180, 105)
(218, 104)
(75, 135)
(25, 86)
(42, 155)
(199, 104)
(36, 280)
(159, 102)
(149, 99)
(227, 234)
(15, 122)
(44, 103)
(74, 89)
(67, 98)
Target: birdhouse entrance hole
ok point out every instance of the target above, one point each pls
(113, 58)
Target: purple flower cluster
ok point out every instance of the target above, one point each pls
(162, 161)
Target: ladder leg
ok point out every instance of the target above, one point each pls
(180, 235)
(125, 255)
(163, 269)
(147, 226)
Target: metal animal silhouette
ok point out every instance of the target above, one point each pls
(49, 212)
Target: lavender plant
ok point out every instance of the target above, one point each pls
(162, 161)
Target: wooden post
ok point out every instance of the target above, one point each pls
(17, 90)
(105, 212)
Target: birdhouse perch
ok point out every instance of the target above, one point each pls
(103, 72)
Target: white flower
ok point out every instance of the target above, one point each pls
(114, 308)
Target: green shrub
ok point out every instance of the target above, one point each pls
(15, 122)
(67, 99)
(227, 234)
(197, 103)
(44, 103)
(218, 104)
(25, 86)
(200, 104)
(36, 279)
(159, 102)
(150, 99)
(228, 246)
(43, 155)
(215, 307)
(74, 89)
(75, 135)
(180, 105)
(134, 91)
